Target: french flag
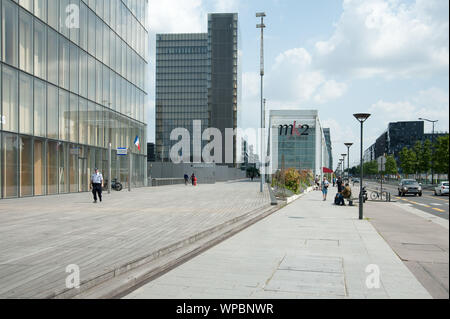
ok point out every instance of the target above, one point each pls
(136, 142)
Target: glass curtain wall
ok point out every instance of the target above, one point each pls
(67, 93)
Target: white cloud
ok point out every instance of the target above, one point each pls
(177, 16)
(293, 80)
(389, 38)
(432, 103)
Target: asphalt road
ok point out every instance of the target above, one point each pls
(435, 205)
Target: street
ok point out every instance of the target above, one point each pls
(428, 203)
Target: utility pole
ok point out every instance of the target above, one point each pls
(263, 158)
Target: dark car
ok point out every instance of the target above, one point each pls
(409, 186)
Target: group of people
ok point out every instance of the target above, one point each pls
(193, 179)
(344, 192)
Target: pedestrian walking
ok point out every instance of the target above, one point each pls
(325, 185)
(334, 181)
(339, 184)
(186, 179)
(96, 185)
(193, 179)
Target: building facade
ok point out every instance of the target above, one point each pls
(181, 87)
(298, 141)
(73, 81)
(327, 133)
(398, 136)
(197, 80)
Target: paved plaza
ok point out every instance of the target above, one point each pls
(308, 249)
(41, 236)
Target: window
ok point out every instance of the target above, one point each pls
(64, 116)
(74, 65)
(63, 29)
(10, 169)
(26, 104)
(99, 41)
(26, 166)
(52, 112)
(91, 78)
(53, 57)
(92, 133)
(40, 108)
(10, 99)
(26, 42)
(64, 63)
(53, 13)
(39, 167)
(40, 49)
(83, 74)
(73, 118)
(27, 4)
(83, 26)
(10, 27)
(91, 33)
(52, 167)
(84, 121)
(98, 79)
(40, 9)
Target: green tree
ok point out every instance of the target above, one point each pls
(407, 161)
(391, 165)
(370, 168)
(417, 150)
(441, 155)
(425, 157)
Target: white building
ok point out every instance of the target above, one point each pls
(297, 138)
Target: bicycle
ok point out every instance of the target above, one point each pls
(379, 196)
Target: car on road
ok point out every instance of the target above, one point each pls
(409, 186)
(442, 189)
(355, 180)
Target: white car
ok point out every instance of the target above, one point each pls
(442, 189)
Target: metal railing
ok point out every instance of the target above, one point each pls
(155, 182)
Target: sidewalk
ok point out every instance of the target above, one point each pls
(40, 237)
(309, 249)
(421, 240)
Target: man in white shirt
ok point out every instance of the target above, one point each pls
(96, 185)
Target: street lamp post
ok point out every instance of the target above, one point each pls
(343, 164)
(263, 158)
(432, 147)
(361, 117)
(348, 159)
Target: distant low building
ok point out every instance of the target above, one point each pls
(398, 136)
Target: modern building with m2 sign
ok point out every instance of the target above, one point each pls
(297, 140)
(73, 82)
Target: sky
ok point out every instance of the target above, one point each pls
(389, 58)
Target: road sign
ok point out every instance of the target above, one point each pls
(122, 151)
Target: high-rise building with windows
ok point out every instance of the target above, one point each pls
(197, 79)
(73, 81)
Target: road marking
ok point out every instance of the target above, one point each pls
(435, 197)
(439, 210)
(436, 204)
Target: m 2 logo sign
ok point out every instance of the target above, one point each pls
(300, 130)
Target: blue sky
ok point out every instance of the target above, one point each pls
(386, 57)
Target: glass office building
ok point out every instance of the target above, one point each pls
(197, 79)
(73, 81)
(181, 86)
(298, 141)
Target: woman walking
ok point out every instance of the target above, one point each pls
(325, 185)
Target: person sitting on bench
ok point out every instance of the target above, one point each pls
(347, 193)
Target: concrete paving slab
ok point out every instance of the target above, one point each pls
(334, 266)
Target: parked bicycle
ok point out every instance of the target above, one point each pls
(376, 195)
